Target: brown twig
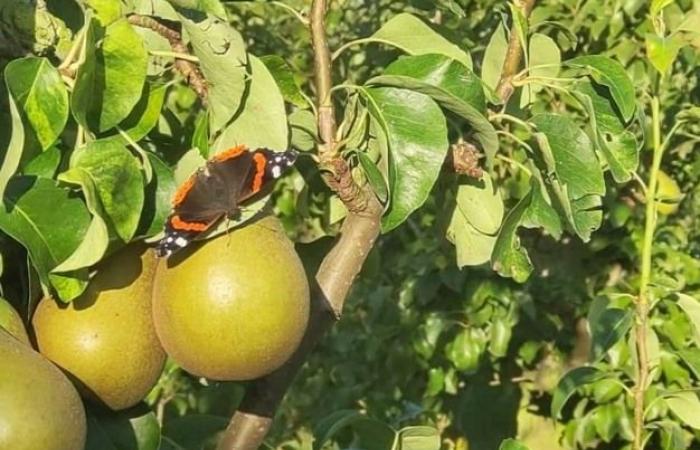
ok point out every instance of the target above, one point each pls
(188, 69)
(514, 54)
(334, 278)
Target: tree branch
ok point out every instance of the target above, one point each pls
(334, 278)
(187, 68)
(514, 55)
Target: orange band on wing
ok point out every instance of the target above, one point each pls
(230, 153)
(260, 162)
(180, 224)
(182, 191)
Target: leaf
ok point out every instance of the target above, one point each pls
(658, 5)
(109, 83)
(303, 129)
(481, 204)
(374, 177)
(144, 117)
(13, 153)
(513, 444)
(200, 135)
(662, 51)
(379, 435)
(540, 212)
(192, 431)
(158, 196)
(608, 325)
(33, 207)
(223, 61)
(44, 164)
(618, 146)
(573, 169)
(40, 94)
(133, 429)
(473, 247)
(119, 181)
(509, 259)
(418, 438)
(521, 29)
(449, 83)
(414, 37)
(691, 308)
(96, 239)
(569, 383)
(686, 406)
(494, 56)
(213, 7)
(691, 357)
(417, 152)
(543, 52)
(610, 73)
(283, 75)
(263, 119)
(107, 11)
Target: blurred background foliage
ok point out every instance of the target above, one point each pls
(422, 342)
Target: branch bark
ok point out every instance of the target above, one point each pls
(188, 69)
(514, 55)
(334, 278)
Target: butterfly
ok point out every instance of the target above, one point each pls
(218, 189)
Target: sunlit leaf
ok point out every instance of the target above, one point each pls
(569, 383)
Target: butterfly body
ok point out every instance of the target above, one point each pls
(218, 190)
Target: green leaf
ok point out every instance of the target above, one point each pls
(662, 51)
(13, 153)
(117, 176)
(414, 37)
(608, 325)
(263, 119)
(109, 83)
(658, 5)
(691, 357)
(686, 406)
(494, 56)
(283, 75)
(449, 83)
(213, 7)
(40, 94)
(545, 57)
(107, 11)
(133, 429)
(473, 247)
(223, 61)
(618, 146)
(568, 384)
(158, 197)
(610, 73)
(96, 239)
(303, 125)
(44, 164)
(481, 204)
(144, 117)
(373, 434)
(417, 153)
(513, 444)
(509, 259)
(576, 177)
(200, 135)
(521, 29)
(691, 307)
(193, 431)
(33, 207)
(540, 212)
(374, 177)
(418, 438)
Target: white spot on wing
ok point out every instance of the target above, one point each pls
(276, 171)
(181, 242)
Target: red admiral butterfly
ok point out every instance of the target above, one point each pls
(218, 189)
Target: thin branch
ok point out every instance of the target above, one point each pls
(514, 54)
(334, 278)
(183, 60)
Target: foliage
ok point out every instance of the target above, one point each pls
(506, 297)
